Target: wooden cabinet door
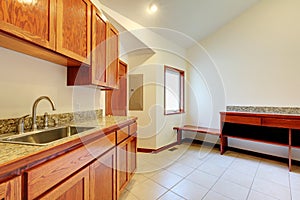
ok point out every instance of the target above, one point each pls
(103, 177)
(122, 166)
(132, 155)
(116, 100)
(99, 31)
(11, 190)
(29, 20)
(126, 162)
(112, 57)
(74, 29)
(75, 188)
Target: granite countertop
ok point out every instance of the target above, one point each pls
(261, 113)
(266, 114)
(13, 152)
(294, 111)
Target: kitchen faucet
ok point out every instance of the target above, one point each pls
(34, 126)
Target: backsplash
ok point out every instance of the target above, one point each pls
(262, 109)
(10, 125)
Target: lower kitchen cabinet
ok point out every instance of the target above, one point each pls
(103, 177)
(75, 188)
(11, 190)
(99, 169)
(52, 173)
(126, 162)
(132, 155)
(122, 166)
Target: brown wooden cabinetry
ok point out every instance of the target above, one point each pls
(112, 57)
(122, 166)
(132, 159)
(31, 21)
(98, 170)
(96, 74)
(132, 150)
(64, 32)
(11, 190)
(116, 100)
(103, 177)
(126, 162)
(122, 134)
(74, 29)
(57, 31)
(126, 158)
(40, 179)
(87, 169)
(99, 34)
(76, 188)
(276, 129)
(63, 26)
(104, 70)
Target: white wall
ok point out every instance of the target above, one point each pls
(24, 78)
(155, 129)
(257, 57)
(206, 95)
(146, 117)
(165, 123)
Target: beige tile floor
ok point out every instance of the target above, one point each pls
(200, 172)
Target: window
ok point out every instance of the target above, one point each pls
(174, 91)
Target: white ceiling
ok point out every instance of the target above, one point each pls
(194, 18)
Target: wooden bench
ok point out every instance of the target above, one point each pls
(196, 129)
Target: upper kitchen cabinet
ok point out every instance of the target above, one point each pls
(112, 56)
(99, 30)
(72, 33)
(105, 52)
(104, 70)
(55, 30)
(30, 20)
(74, 29)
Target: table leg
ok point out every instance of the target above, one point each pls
(223, 144)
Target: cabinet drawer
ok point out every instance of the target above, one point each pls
(43, 177)
(242, 120)
(76, 187)
(281, 123)
(122, 134)
(133, 128)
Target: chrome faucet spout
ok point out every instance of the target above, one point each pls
(34, 126)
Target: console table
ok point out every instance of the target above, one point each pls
(276, 129)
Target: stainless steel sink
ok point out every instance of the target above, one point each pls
(45, 137)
